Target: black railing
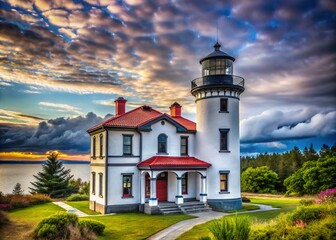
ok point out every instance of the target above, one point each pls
(221, 79)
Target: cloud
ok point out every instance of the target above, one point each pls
(13, 117)
(64, 134)
(61, 107)
(275, 125)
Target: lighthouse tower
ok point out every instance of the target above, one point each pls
(217, 95)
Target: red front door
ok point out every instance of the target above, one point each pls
(161, 187)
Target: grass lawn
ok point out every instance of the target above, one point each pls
(119, 226)
(135, 225)
(285, 205)
(82, 206)
(246, 207)
(24, 220)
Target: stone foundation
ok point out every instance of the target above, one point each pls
(122, 208)
(225, 204)
(152, 210)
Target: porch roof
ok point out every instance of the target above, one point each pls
(168, 162)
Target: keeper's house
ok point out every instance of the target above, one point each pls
(142, 158)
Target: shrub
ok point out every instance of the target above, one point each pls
(77, 197)
(259, 180)
(306, 214)
(328, 195)
(94, 226)
(55, 226)
(205, 238)
(6, 206)
(306, 202)
(13, 201)
(230, 228)
(245, 199)
(66, 226)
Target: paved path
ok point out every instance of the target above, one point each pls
(179, 228)
(71, 209)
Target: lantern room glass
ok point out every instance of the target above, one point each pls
(217, 66)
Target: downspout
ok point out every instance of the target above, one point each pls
(106, 168)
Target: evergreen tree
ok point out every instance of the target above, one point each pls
(54, 179)
(17, 189)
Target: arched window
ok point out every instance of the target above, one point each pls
(94, 147)
(162, 143)
(101, 145)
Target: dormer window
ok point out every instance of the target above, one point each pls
(162, 143)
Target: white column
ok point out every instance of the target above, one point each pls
(203, 194)
(179, 197)
(142, 186)
(153, 201)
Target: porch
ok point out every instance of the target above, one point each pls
(172, 179)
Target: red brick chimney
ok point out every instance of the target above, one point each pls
(175, 110)
(120, 106)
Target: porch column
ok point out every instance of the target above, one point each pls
(179, 197)
(203, 194)
(153, 201)
(142, 186)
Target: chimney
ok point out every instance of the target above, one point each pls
(175, 110)
(120, 106)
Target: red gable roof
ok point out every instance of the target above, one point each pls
(172, 162)
(140, 116)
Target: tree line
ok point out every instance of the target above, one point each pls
(302, 169)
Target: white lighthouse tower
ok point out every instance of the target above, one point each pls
(217, 95)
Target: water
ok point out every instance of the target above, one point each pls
(10, 174)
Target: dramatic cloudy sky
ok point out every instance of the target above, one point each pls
(63, 62)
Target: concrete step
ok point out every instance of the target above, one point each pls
(169, 208)
(194, 207)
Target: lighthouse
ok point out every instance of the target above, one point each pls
(217, 94)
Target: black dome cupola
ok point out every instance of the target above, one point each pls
(217, 62)
(217, 76)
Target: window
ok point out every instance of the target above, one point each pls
(184, 145)
(162, 143)
(100, 184)
(127, 144)
(223, 105)
(224, 139)
(223, 182)
(93, 183)
(127, 185)
(101, 145)
(94, 147)
(185, 183)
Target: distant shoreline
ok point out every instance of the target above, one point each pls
(41, 162)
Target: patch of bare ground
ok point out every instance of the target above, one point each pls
(17, 230)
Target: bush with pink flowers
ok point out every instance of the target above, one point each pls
(327, 196)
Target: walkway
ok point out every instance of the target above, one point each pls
(179, 228)
(71, 209)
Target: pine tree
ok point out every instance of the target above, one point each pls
(17, 189)
(53, 179)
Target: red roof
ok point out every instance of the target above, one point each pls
(140, 116)
(173, 162)
(190, 125)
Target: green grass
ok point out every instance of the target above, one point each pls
(119, 226)
(24, 220)
(82, 206)
(285, 205)
(35, 214)
(246, 207)
(135, 225)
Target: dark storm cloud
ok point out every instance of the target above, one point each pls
(65, 134)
